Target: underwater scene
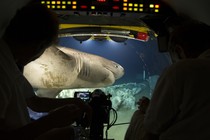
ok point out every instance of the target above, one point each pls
(142, 64)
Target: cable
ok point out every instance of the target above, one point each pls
(109, 125)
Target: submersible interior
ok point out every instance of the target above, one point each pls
(115, 33)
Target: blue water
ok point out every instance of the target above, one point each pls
(136, 57)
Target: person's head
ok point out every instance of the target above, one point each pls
(189, 40)
(8, 9)
(31, 31)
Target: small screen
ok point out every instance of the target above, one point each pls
(84, 95)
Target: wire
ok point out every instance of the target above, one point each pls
(109, 125)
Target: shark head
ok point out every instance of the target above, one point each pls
(115, 68)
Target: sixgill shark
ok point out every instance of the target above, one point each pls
(61, 68)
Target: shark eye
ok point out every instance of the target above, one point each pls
(116, 66)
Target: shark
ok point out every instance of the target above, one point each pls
(61, 68)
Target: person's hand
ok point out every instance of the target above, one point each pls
(63, 116)
(143, 104)
(57, 118)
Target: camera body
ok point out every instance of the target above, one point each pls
(101, 106)
(95, 99)
(98, 100)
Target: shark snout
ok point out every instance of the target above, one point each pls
(119, 73)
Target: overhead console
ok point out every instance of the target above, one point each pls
(107, 7)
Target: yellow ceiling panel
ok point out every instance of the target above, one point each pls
(133, 28)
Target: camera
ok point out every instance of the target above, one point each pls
(101, 106)
(95, 99)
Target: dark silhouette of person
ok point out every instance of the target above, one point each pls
(136, 130)
(180, 103)
(30, 32)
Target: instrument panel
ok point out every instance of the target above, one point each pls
(134, 6)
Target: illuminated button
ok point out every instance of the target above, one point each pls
(125, 0)
(157, 6)
(130, 4)
(42, 2)
(125, 4)
(151, 6)
(63, 6)
(63, 2)
(68, 2)
(135, 5)
(141, 5)
(116, 7)
(48, 2)
(58, 6)
(58, 2)
(130, 9)
(53, 2)
(135, 9)
(156, 10)
(48, 6)
(74, 2)
(93, 7)
(74, 7)
(141, 9)
(125, 8)
(53, 6)
(83, 6)
(142, 36)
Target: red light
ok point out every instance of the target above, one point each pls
(142, 36)
(116, 7)
(116, 0)
(101, 0)
(83, 6)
